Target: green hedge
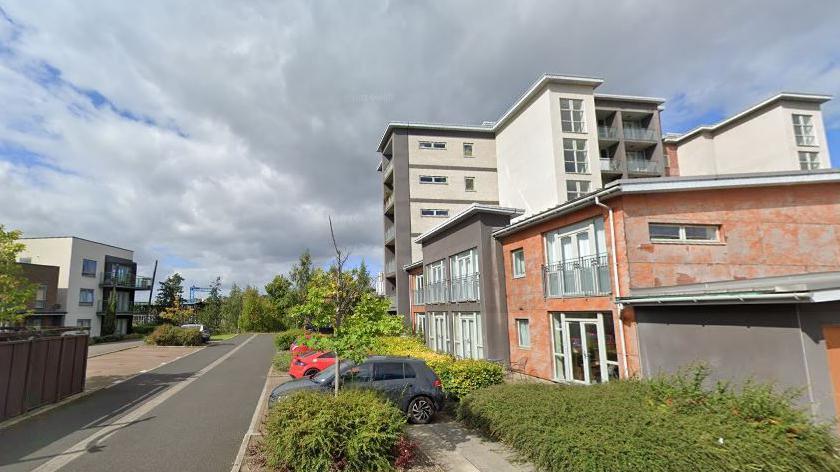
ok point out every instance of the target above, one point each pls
(143, 329)
(314, 431)
(458, 376)
(110, 338)
(282, 361)
(667, 424)
(168, 335)
(284, 339)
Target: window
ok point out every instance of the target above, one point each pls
(571, 116)
(523, 332)
(463, 272)
(432, 145)
(576, 188)
(684, 233)
(439, 332)
(83, 323)
(576, 261)
(88, 268)
(420, 324)
(358, 374)
(432, 179)
(808, 160)
(518, 263)
(574, 155)
(419, 298)
(388, 371)
(409, 371)
(469, 336)
(434, 212)
(469, 184)
(468, 150)
(41, 296)
(85, 297)
(803, 129)
(436, 288)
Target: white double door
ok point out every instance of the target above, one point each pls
(569, 267)
(580, 353)
(468, 336)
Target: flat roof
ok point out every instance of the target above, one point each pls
(81, 239)
(796, 96)
(675, 184)
(630, 98)
(471, 210)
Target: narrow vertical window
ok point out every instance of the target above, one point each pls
(571, 116)
(518, 263)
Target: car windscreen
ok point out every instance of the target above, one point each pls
(327, 374)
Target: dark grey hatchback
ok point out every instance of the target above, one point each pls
(406, 381)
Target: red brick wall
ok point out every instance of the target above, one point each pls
(414, 308)
(673, 163)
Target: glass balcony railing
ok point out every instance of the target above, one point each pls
(607, 132)
(390, 267)
(389, 202)
(390, 233)
(610, 165)
(387, 167)
(643, 166)
(639, 134)
(581, 277)
(125, 280)
(122, 307)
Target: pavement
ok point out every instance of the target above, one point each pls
(190, 414)
(115, 366)
(107, 348)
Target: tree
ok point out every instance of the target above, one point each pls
(257, 312)
(109, 319)
(176, 314)
(231, 309)
(300, 275)
(283, 297)
(170, 290)
(363, 278)
(15, 290)
(211, 313)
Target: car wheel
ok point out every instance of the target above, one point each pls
(420, 410)
(310, 372)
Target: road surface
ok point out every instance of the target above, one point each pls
(107, 348)
(189, 415)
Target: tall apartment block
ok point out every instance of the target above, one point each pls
(784, 132)
(559, 141)
(88, 274)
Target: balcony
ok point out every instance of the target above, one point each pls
(390, 267)
(125, 280)
(464, 289)
(607, 133)
(390, 234)
(639, 134)
(387, 169)
(435, 292)
(389, 204)
(610, 165)
(581, 277)
(122, 308)
(419, 296)
(642, 166)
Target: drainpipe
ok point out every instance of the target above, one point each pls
(617, 287)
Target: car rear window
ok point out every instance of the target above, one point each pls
(388, 371)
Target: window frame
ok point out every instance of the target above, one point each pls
(92, 297)
(515, 273)
(578, 193)
(574, 126)
(435, 179)
(437, 213)
(471, 154)
(812, 162)
(683, 238)
(799, 127)
(89, 274)
(527, 322)
(581, 166)
(432, 145)
(469, 178)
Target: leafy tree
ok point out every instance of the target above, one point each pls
(109, 320)
(176, 314)
(170, 290)
(231, 309)
(211, 313)
(363, 278)
(257, 312)
(283, 298)
(300, 275)
(15, 290)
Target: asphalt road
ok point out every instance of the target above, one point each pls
(189, 415)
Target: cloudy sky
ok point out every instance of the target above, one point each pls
(217, 136)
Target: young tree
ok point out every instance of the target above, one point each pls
(211, 313)
(15, 290)
(282, 297)
(231, 309)
(109, 319)
(170, 289)
(176, 314)
(300, 275)
(363, 278)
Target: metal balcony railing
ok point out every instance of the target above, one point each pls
(645, 166)
(464, 289)
(607, 132)
(436, 292)
(610, 165)
(639, 134)
(126, 280)
(122, 308)
(390, 233)
(419, 296)
(584, 276)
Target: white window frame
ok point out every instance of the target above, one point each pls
(434, 179)
(436, 282)
(463, 275)
(434, 212)
(580, 155)
(803, 130)
(439, 342)
(573, 109)
(467, 186)
(419, 286)
(420, 323)
(432, 145)
(83, 323)
(471, 152)
(809, 160)
(520, 322)
(683, 238)
(573, 189)
(475, 349)
(518, 272)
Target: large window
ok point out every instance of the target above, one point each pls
(518, 262)
(523, 333)
(436, 285)
(434, 212)
(86, 297)
(809, 160)
(88, 268)
(572, 116)
(576, 261)
(576, 188)
(662, 232)
(463, 270)
(803, 129)
(432, 179)
(432, 145)
(439, 332)
(419, 295)
(469, 339)
(41, 296)
(574, 155)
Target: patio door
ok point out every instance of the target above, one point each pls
(580, 350)
(468, 336)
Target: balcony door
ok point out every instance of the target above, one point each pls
(463, 268)
(568, 257)
(468, 336)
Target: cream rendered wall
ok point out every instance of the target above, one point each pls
(421, 224)
(484, 150)
(486, 185)
(764, 142)
(526, 159)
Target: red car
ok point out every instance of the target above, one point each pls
(300, 349)
(310, 363)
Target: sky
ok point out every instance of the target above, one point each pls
(218, 137)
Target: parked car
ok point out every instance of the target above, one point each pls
(205, 333)
(408, 382)
(310, 363)
(299, 349)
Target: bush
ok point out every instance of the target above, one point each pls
(458, 376)
(356, 431)
(667, 424)
(284, 339)
(282, 361)
(110, 338)
(168, 335)
(143, 329)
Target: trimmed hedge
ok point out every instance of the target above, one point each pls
(284, 339)
(356, 431)
(143, 329)
(666, 424)
(458, 376)
(282, 361)
(168, 335)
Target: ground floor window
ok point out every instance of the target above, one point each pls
(83, 323)
(420, 324)
(523, 333)
(584, 347)
(439, 332)
(469, 337)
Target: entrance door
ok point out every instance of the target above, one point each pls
(832, 348)
(579, 348)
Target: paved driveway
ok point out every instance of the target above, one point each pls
(100, 349)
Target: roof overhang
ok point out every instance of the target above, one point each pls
(430, 127)
(630, 98)
(413, 265)
(471, 210)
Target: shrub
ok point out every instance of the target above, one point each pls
(356, 431)
(168, 335)
(670, 423)
(282, 361)
(284, 339)
(458, 376)
(143, 329)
